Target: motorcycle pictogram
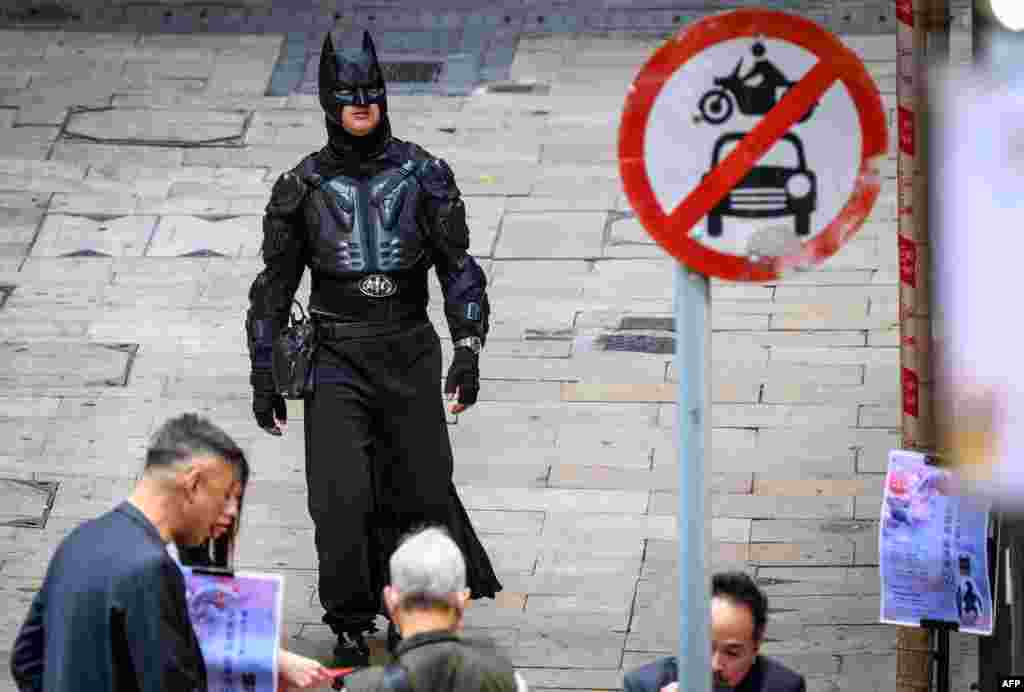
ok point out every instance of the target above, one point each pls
(754, 93)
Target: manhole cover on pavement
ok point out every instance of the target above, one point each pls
(638, 322)
(156, 128)
(26, 503)
(639, 343)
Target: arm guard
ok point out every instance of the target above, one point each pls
(462, 280)
(272, 293)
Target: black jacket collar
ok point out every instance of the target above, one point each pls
(424, 638)
(136, 515)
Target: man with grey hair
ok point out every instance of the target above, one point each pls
(111, 613)
(426, 599)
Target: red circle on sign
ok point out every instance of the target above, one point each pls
(836, 63)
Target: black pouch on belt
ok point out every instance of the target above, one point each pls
(292, 358)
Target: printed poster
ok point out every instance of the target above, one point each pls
(238, 622)
(933, 549)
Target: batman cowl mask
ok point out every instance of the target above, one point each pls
(353, 79)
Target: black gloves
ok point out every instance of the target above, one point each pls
(266, 402)
(464, 375)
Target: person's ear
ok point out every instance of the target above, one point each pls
(460, 602)
(391, 599)
(190, 481)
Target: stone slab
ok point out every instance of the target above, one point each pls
(82, 364)
(65, 235)
(189, 236)
(106, 154)
(274, 548)
(568, 649)
(31, 142)
(773, 415)
(86, 496)
(515, 522)
(554, 499)
(818, 581)
(568, 235)
(18, 227)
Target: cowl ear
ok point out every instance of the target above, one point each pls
(327, 52)
(327, 78)
(368, 47)
(371, 52)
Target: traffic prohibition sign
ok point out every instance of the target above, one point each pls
(766, 126)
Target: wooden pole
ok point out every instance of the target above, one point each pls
(922, 35)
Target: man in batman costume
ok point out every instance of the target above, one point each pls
(369, 214)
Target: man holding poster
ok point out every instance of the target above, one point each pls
(111, 613)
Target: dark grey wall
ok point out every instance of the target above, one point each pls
(842, 16)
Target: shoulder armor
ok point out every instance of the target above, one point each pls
(410, 150)
(437, 179)
(287, 194)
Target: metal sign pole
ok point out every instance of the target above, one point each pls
(693, 310)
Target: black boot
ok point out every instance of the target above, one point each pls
(351, 650)
(393, 638)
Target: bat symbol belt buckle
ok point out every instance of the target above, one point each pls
(378, 286)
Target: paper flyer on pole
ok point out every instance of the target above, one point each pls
(933, 549)
(238, 622)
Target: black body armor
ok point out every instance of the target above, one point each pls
(369, 243)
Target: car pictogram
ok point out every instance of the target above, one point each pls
(785, 186)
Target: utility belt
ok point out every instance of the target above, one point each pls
(346, 307)
(332, 330)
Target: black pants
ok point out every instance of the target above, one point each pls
(379, 463)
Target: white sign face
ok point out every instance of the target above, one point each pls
(749, 145)
(796, 189)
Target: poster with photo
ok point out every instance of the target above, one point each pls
(933, 549)
(238, 622)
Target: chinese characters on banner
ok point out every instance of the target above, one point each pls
(933, 548)
(238, 622)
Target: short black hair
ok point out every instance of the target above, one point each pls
(741, 589)
(191, 435)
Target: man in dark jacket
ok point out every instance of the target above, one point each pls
(426, 599)
(111, 614)
(739, 614)
(370, 214)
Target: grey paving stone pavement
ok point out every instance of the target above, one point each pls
(134, 167)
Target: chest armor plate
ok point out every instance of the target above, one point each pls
(370, 225)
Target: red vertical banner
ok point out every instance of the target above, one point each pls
(906, 131)
(911, 385)
(908, 261)
(905, 194)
